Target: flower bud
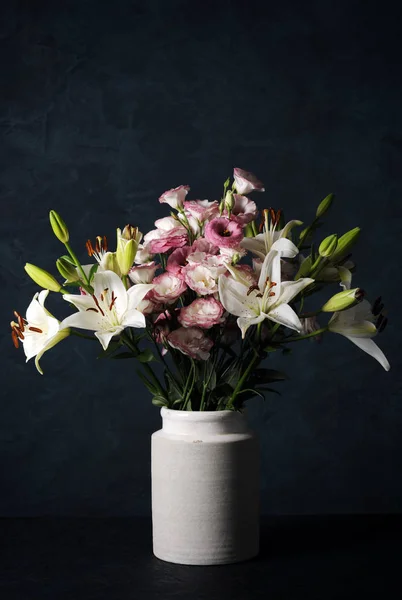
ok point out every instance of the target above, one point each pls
(127, 246)
(343, 300)
(67, 270)
(229, 201)
(131, 233)
(345, 242)
(59, 227)
(42, 278)
(304, 269)
(328, 246)
(324, 206)
(109, 262)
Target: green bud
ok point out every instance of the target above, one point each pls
(42, 278)
(345, 243)
(59, 227)
(324, 206)
(229, 201)
(328, 246)
(305, 268)
(127, 245)
(343, 300)
(110, 263)
(67, 270)
(248, 230)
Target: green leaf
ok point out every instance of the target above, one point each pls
(123, 355)
(92, 272)
(261, 376)
(159, 401)
(252, 392)
(209, 375)
(68, 258)
(146, 356)
(148, 384)
(113, 346)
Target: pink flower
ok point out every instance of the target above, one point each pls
(148, 306)
(246, 182)
(202, 210)
(244, 210)
(203, 312)
(168, 240)
(143, 273)
(168, 288)
(223, 233)
(175, 196)
(177, 260)
(200, 279)
(191, 341)
(162, 329)
(233, 255)
(202, 245)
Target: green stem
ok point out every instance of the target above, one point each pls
(77, 262)
(308, 335)
(243, 378)
(187, 393)
(134, 349)
(125, 281)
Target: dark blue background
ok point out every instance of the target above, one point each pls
(104, 105)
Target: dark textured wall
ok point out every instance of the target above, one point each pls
(103, 106)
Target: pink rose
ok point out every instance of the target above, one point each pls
(168, 240)
(223, 233)
(202, 210)
(168, 288)
(203, 312)
(191, 341)
(143, 273)
(246, 182)
(244, 210)
(202, 245)
(175, 196)
(178, 260)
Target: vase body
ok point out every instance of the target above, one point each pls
(205, 488)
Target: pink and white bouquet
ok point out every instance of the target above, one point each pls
(215, 288)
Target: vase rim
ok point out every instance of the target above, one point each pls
(198, 415)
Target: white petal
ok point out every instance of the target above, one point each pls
(80, 301)
(105, 336)
(290, 289)
(137, 293)
(233, 296)
(346, 278)
(371, 348)
(285, 315)
(245, 322)
(283, 233)
(36, 314)
(84, 320)
(361, 329)
(255, 245)
(271, 268)
(112, 282)
(60, 335)
(33, 343)
(133, 318)
(285, 247)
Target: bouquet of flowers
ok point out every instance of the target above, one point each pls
(214, 288)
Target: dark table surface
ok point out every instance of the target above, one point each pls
(301, 557)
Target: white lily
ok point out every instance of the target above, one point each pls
(40, 331)
(271, 239)
(268, 300)
(111, 309)
(357, 324)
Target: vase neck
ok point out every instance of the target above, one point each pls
(203, 422)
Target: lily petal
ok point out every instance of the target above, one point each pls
(256, 245)
(371, 348)
(83, 320)
(232, 295)
(109, 280)
(60, 335)
(105, 336)
(271, 267)
(36, 313)
(361, 329)
(285, 315)
(133, 318)
(285, 247)
(288, 227)
(245, 322)
(290, 289)
(82, 302)
(137, 293)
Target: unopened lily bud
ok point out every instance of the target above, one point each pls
(109, 262)
(59, 227)
(127, 246)
(229, 201)
(67, 270)
(324, 206)
(304, 269)
(343, 300)
(131, 233)
(42, 278)
(328, 246)
(345, 242)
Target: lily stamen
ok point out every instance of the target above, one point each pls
(100, 248)
(14, 337)
(36, 329)
(98, 305)
(114, 298)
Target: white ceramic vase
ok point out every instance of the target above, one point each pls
(205, 488)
